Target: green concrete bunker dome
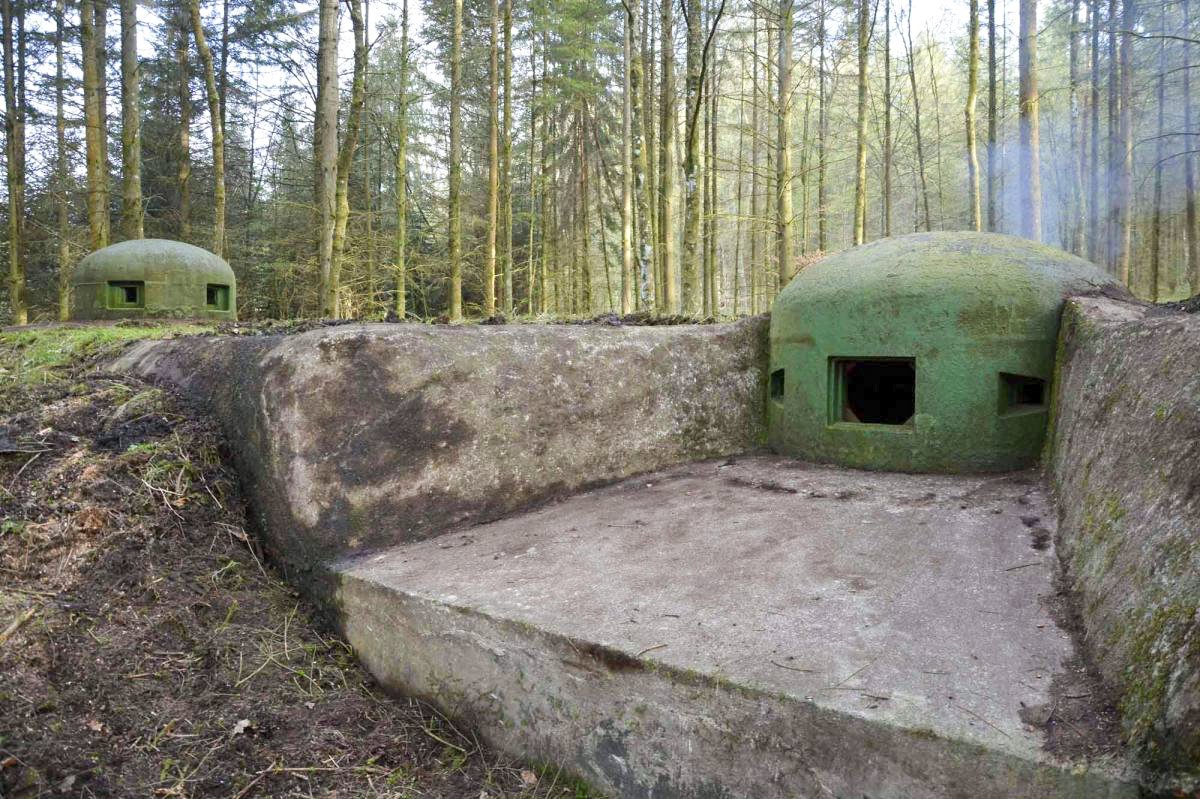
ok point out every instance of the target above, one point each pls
(932, 352)
(153, 278)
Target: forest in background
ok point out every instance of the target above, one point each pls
(466, 158)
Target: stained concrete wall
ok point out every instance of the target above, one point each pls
(364, 436)
(1124, 457)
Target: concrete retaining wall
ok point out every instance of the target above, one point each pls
(1124, 457)
(363, 436)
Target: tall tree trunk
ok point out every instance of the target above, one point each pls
(1125, 190)
(911, 56)
(530, 267)
(131, 125)
(218, 131)
(822, 133)
(506, 189)
(400, 300)
(644, 248)
(546, 211)
(184, 165)
(741, 172)
(1030, 168)
(972, 99)
(1114, 138)
(14, 139)
(805, 163)
(755, 222)
(223, 79)
(783, 149)
(627, 165)
(938, 138)
(1189, 168)
(489, 273)
(712, 268)
(1003, 112)
(649, 104)
(368, 238)
(1078, 141)
(454, 245)
(101, 51)
(887, 118)
(584, 273)
(345, 159)
(769, 278)
(95, 134)
(706, 213)
(860, 173)
(1095, 251)
(692, 201)
(61, 169)
(325, 139)
(993, 155)
(666, 166)
(1156, 232)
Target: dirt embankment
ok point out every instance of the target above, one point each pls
(146, 648)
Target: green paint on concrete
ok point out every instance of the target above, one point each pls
(153, 278)
(932, 352)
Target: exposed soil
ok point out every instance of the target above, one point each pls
(146, 647)
(1081, 719)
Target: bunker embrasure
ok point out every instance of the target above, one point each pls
(931, 352)
(153, 278)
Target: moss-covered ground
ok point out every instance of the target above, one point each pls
(147, 647)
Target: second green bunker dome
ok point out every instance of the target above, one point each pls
(153, 278)
(931, 352)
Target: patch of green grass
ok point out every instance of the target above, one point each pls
(32, 355)
(41, 356)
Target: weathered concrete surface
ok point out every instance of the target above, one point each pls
(1124, 457)
(762, 628)
(363, 436)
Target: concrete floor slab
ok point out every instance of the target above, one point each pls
(755, 626)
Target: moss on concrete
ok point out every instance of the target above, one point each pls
(966, 307)
(1125, 459)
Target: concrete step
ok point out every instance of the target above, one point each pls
(755, 627)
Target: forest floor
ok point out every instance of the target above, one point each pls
(147, 648)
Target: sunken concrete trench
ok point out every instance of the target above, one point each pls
(576, 538)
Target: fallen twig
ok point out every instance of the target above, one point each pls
(855, 674)
(442, 740)
(793, 668)
(17, 623)
(21, 471)
(981, 718)
(246, 788)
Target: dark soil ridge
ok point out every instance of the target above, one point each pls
(146, 647)
(1190, 305)
(275, 327)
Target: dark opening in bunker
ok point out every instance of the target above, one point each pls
(1021, 393)
(217, 297)
(875, 391)
(777, 385)
(126, 294)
